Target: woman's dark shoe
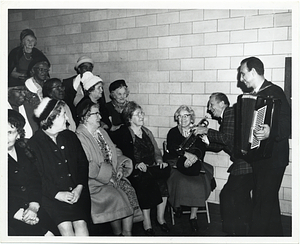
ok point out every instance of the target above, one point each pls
(149, 232)
(164, 227)
(194, 224)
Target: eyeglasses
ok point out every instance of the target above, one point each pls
(97, 113)
(139, 114)
(184, 116)
(42, 70)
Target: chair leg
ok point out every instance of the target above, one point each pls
(172, 215)
(207, 212)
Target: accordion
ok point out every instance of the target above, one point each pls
(251, 112)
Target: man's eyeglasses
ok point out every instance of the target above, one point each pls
(59, 87)
(139, 114)
(184, 116)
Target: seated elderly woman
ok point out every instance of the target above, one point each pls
(112, 196)
(118, 95)
(138, 143)
(63, 167)
(26, 216)
(187, 164)
(54, 88)
(93, 89)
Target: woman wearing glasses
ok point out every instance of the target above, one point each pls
(113, 198)
(138, 143)
(189, 184)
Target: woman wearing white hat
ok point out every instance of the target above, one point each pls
(93, 89)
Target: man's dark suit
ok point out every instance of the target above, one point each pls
(235, 198)
(268, 173)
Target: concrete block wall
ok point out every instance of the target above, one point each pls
(167, 57)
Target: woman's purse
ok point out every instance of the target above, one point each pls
(159, 173)
(194, 170)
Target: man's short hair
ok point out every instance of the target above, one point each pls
(254, 63)
(219, 96)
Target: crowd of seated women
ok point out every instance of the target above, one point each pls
(76, 161)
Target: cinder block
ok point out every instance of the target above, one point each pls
(191, 40)
(158, 30)
(169, 64)
(148, 88)
(287, 194)
(130, 66)
(243, 12)
(109, 46)
(146, 20)
(180, 52)
(74, 48)
(18, 26)
(221, 173)
(243, 36)
(216, 38)
(14, 17)
(99, 25)
(126, 23)
(273, 61)
(116, 13)
(168, 110)
(192, 64)
(90, 47)
(162, 133)
(161, 53)
(170, 88)
(81, 17)
(99, 36)
(282, 47)
(146, 43)
(65, 19)
(191, 15)
(135, 12)
(204, 51)
(158, 121)
(168, 41)
(286, 207)
(151, 110)
(181, 76)
(273, 34)
(147, 65)
(137, 55)
(259, 21)
(72, 29)
(181, 28)
(205, 26)
(231, 24)
(180, 99)
(205, 75)
(216, 13)
(140, 98)
(217, 63)
(161, 99)
(260, 48)
(98, 15)
(227, 75)
(117, 34)
(230, 50)
(213, 87)
(118, 56)
(130, 44)
(99, 57)
(47, 22)
(58, 49)
(284, 19)
(167, 18)
(159, 76)
(193, 88)
(287, 181)
(137, 77)
(139, 32)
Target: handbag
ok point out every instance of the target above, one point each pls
(159, 173)
(194, 170)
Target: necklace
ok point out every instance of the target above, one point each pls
(26, 57)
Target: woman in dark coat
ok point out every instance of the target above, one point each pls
(26, 217)
(138, 143)
(20, 57)
(63, 167)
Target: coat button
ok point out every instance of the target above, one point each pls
(23, 188)
(69, 175)
(16, 171)
(70, 188)
(62, 147)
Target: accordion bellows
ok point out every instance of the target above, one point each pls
(251, 112)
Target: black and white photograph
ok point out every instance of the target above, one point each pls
(149, 121)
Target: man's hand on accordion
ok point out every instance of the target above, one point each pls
(263, 133)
